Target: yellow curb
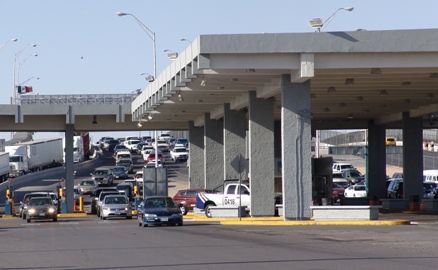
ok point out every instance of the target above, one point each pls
(72, 215)
(8, 216)
(310, 222)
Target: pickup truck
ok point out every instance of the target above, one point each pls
(230, 197)
(179, 154)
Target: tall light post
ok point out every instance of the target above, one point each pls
(4, 43)
(150, 34)
(14, 82)
(319, 24)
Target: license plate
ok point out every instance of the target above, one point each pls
(117, 213)
(164, 219)
(42, 214)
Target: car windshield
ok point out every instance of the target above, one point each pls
(119, 169)
(100, 172)
(357, 187)
(40, 201)
(159, 203)
(115, 200)
(180, 150)
(87, 183)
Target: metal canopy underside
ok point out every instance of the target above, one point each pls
(355, 77)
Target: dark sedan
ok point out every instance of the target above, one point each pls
(158, 210)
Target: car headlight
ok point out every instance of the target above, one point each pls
(150, 216)
(31, 210)
(51, 210)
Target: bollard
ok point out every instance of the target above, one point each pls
(74, 205)
(81, 203)
(136, 202)
(7, 208)
(64, 206)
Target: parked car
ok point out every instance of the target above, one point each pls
(127, 163)
(355, 191)
(187, 198)
(341, 166)
(87, 186)
(120, 172)
(41, 208)
(103, 176)
(338, 178)
(395, 189)
(158, 210)
(115, 206)
(338, 192)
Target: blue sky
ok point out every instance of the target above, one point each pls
(83, 47)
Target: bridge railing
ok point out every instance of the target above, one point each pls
(103, 99)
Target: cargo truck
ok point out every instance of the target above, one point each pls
(81, 147)
(34, 156)
(4, 166)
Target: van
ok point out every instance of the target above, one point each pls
(390, 141)
(123, 154)
(430, 176)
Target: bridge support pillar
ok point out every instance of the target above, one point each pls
(196, 156)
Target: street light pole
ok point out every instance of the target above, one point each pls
(14, 82)
(21, 64)
(150, 34)
(29, 80)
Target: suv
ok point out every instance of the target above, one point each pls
(103, 176)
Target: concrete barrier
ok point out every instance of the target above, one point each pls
(430, 204)
(346, 212)
(394, 203)
(227, 211)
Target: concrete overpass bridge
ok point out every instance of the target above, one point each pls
(278, 88)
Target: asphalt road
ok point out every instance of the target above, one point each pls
(121, 244)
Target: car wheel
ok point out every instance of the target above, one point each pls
(129, 217)
(55, 219)
(208, 210)
(180, 224)
(104, 218)
(98, 213)
(183, 210)
(23, 216)
(28, 220)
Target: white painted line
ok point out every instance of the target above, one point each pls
(31, 224)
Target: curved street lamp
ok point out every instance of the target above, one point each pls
(4, 43)
(149, 78)
(184, 39)
(37, 78)
(318, 24)
(150, 34)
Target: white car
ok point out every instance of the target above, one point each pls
(151, 164)
(146, 153)
(139, 177)
(355, 191)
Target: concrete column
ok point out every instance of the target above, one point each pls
(376, 160)
(213, 152)
(412, 156)
(296, 149)
(69, 167)
(196, 156)
(234, 143)
(261, 155)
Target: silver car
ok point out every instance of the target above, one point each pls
(115, 206)
(87, 186)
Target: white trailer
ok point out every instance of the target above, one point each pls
(35, 155)
(4, 166)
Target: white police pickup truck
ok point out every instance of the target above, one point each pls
(179, 154)
(230, 197)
